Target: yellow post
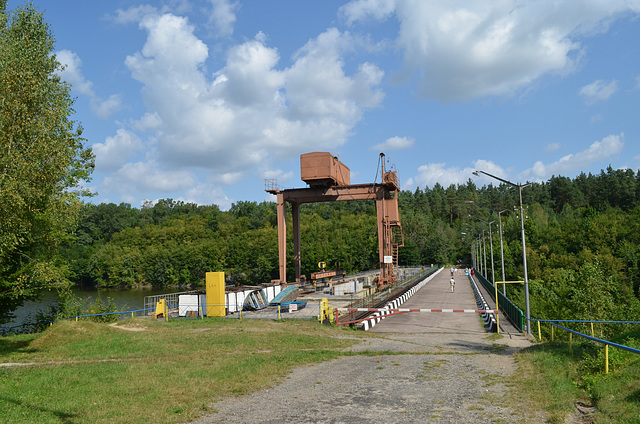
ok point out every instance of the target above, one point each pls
(76, 319)
(324, 306)
(570, 339)
(278, 311)
(215, 294)
(201, 316)
(160, 308)
(240, 311)
(606, 359)
(539, 333)
(166, 312)
(495, 286)
(131, 314)
(552, 331)
(591, 329)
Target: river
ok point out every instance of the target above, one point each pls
(125, 300)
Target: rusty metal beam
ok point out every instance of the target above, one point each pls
(334, 193)
(282, 237)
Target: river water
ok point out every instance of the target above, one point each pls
(125, 300)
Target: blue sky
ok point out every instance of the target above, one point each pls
(201, 101)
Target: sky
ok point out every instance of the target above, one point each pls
(202, 101)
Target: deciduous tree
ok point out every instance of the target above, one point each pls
(42, 158)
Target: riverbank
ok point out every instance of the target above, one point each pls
(126, 299)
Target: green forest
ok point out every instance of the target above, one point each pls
(582, 240)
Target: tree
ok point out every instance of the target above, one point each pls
(42, 159)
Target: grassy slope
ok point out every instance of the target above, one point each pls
(151, 371)
(555, 379)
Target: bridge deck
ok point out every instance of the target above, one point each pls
(436, 294)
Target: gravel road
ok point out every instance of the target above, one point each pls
(445, 371)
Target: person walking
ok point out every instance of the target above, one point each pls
(453, 284)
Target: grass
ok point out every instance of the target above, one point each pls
(143, 371)
(554, 380)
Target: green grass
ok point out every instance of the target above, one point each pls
(89, 372)
(552, 379)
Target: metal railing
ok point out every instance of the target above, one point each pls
(383, 297)
(606, 343)
(171, 298)
(515, 314)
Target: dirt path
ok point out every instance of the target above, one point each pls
(436, 369)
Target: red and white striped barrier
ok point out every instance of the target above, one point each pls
(468, 311)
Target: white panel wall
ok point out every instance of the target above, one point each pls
(350, 287)
(186, 303)
(269, 292)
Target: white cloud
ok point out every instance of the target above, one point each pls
(208, 194)
(107, 107)
(148, 121)
(598, 91)
(464, 50)
(430, 174)
(223, 16)
(598, 151)
(111, 154)
(242, 115)
(72, 74)
(552, 147)
(395, 143)
(359, 10)
(230, 178)
(134, 14)
(277, 174)
(147, 177)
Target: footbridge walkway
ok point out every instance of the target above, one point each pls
(436, 309)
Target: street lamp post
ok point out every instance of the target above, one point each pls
(493, 272)
(475, 246)
(524, 251)
(472, 247)
(480, 251)
(504, 285)
(484, 251)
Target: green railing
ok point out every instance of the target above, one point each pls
(515, 314)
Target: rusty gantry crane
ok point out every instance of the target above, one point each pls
(329, 181)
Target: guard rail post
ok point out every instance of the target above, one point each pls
(539, 333)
